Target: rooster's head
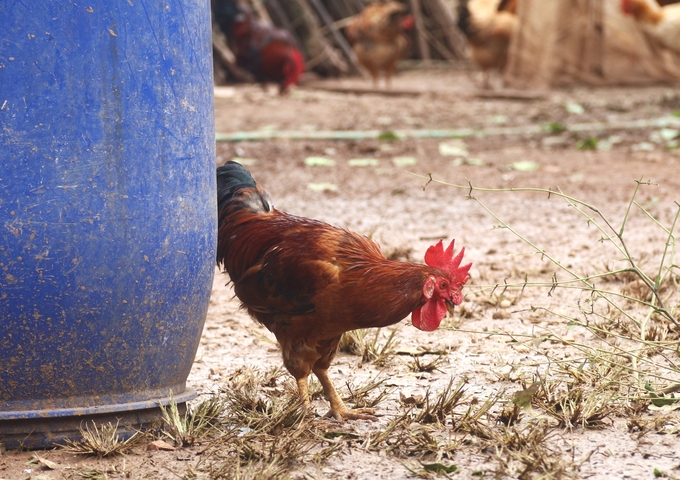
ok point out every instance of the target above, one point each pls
(442, 290)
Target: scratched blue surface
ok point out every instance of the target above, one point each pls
(107, 202)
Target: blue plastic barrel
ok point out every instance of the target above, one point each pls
(107, 210)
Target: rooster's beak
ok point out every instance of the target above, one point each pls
(449, 306)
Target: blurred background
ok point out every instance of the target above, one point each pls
(527, 43)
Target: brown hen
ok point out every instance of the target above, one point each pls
(378, 39)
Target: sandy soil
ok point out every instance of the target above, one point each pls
(492, 342)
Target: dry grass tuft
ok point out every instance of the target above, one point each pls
(102, 440)
(195, 424)
(362, 395)
(359, 342)
(418, 364)
(575, 406)
(443, 405)
(264, 430)
(522, 452)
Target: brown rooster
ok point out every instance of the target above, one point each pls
(268, 53)
(378, 39)
(309, 282)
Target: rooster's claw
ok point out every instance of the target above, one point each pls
(347, 414)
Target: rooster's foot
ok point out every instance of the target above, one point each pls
(358, 414)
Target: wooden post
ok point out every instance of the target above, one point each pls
(423, 46)
(261, 11)
(340, 40)
(446, 23)
(317, 48)
(596, 39)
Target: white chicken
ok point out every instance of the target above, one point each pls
(660, 23)
(489, 26)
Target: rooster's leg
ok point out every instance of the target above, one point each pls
(375, 75)
(339, 410)
(303, 390)
(486, 82)
(389, 71)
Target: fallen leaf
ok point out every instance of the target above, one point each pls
(224, 92)
(523, 398)
(589, 143)
(525, 166)
(323, 187)
(319, 162)
(439, 468)
(643, 147)
(454, 148)
(574, 108)
(46, 463)
(669, 133)
(363, 162)
(555, 127)
(388, 136)
(404, 161)
(604, 145)
(160, 445)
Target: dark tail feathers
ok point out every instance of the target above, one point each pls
(234, 182)
(465, 19)
(225, 13)
(236, 192)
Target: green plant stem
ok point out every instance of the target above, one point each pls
(577, 204)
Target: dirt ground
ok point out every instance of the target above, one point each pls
(500, 339)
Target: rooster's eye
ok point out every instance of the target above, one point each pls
(443, 285)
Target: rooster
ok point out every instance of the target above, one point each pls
(378, 39)
(660, 23)
(267, 52)
(309, 282)
(488, 26)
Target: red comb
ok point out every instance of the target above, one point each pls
(437, 257)
(407, 22)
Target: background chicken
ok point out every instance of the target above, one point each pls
(269, 53)
(378, 39)
(309, 282)
(488, 26)
(661, 23)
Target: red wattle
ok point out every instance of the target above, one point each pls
(428, 317)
